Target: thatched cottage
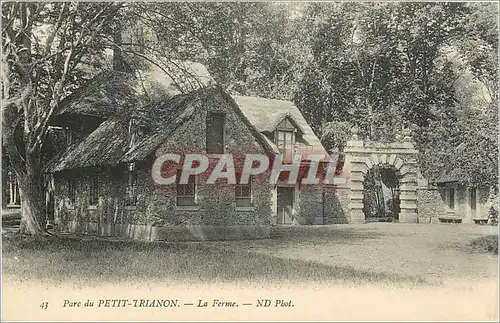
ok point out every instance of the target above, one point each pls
(102, 182)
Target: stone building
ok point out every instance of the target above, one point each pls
(102, 181)
(448, 198)
(102, 148)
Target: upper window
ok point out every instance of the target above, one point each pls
(94, 190)
(215, 132)
(285, 140)
(285, 136)
(69, 136)
(186, 193)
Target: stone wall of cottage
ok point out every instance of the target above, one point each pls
(110, 208)
(462, 206)
(336, 205)
(216, 206)
(310, 205)
(156, 215)
(215, 203)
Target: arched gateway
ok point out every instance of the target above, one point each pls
(361, 156)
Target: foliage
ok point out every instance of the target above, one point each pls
(237, 42)
(384, 67)
(387, 67)
(51, 52)
(336, 134)
(487, 243)
(374, 63)
(493, 215)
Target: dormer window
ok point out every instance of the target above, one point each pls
(285, 140)
(285, 135)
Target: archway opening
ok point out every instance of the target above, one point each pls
(381, 201)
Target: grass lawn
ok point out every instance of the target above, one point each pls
(381, 255)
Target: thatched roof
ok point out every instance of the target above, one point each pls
(108, 144)
(180, 109)
(113, 92)
(109, 93)
(177, 110)
(266, 114)
(105, 146)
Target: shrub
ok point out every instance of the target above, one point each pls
(487, 243)
(493, 215)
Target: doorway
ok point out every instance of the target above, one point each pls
(381, 202)
(285, 205)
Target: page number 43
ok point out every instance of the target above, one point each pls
(44, 305)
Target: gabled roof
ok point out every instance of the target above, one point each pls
(266, 114)
(178, 113)
(108, 144)
(288, 116)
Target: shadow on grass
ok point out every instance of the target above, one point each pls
(338, 233)
(93, 262)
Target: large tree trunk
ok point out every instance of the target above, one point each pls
(29, 176)
(32, 201)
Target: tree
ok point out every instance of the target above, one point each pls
(376, 64)
(390, 66)
(463, 137)
(237, 42)
(51, 54)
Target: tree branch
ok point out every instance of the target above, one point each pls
(57, 26)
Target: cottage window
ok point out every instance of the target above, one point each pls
(71, 190)
(94, 190)
(243, 193)
(132, 185)
(215, 133)
(186, 193)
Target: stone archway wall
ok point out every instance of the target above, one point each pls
(360, 156)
